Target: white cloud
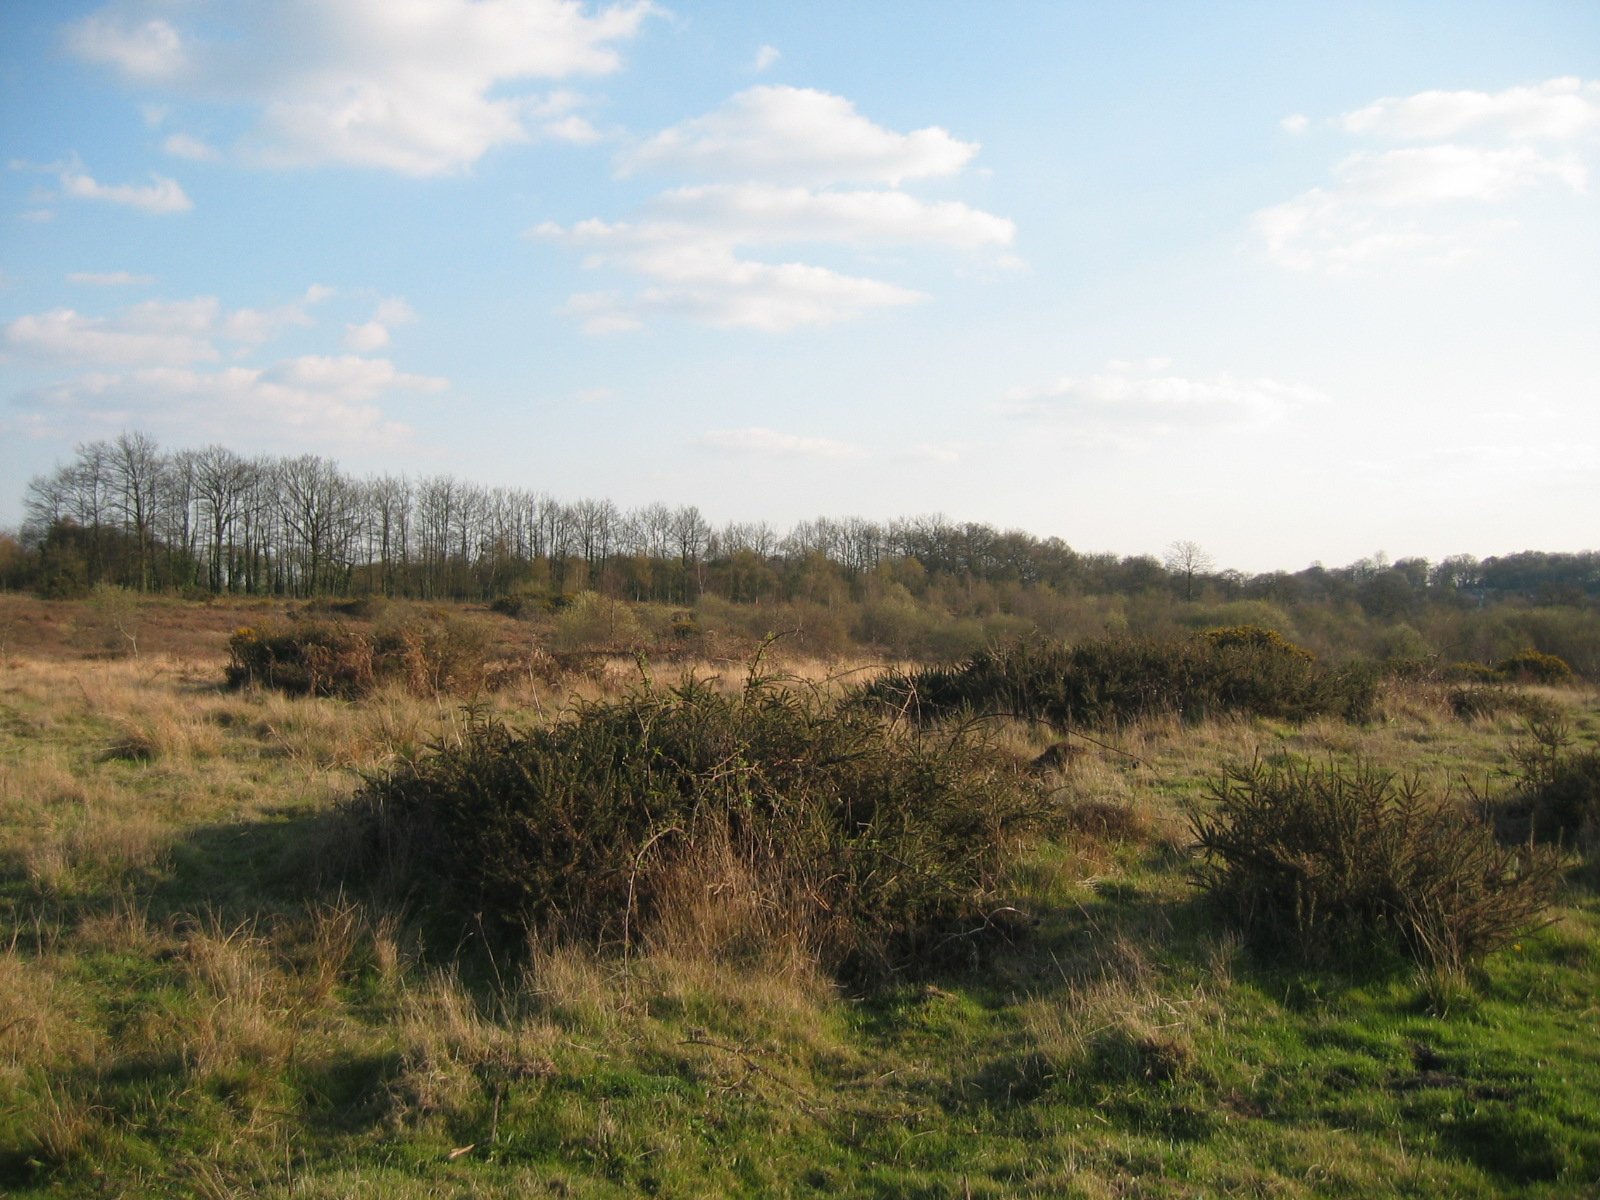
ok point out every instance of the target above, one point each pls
(374, 334)
(256, 325)
(109, 278)
(349, 377)
(780, 151)
(1558, 109)
(720, 290)
(686, 245)
(1426, 175)
(366, 337)
(1295, 123)
(183, 145)
(770, 443)
(759, 213)
(166, 333)
(798, 135)
(299, 401)
(1437, 202)
(146, 49)
(765, 58)
(395, 311)
(553, 118)
(422, 87)
(161, 195)
(152, 333)
(1126, 405)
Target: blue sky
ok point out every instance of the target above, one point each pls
(1295, 282)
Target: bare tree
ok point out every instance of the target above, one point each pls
(1187, 559)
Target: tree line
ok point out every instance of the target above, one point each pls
(127, 512)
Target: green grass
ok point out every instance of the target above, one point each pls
(191, 1005)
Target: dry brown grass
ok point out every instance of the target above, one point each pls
(1112, 1024)
(41, 1024)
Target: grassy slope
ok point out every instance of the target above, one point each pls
(190, 1005)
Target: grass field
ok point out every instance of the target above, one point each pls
(197, 998)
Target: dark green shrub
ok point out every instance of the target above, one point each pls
(1495, 698)
(1106, 681)
(1329, 863)
(526, 604)
(885, 845)
(426, 655)
(1567, 802)
(1557, 794)
(312, 658)
(1531, 666)
(1471, 672)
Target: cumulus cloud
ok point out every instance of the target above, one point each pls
(1295, 123)
(153, 333)
(1126, 405)
(1426, 175)
(168, 333)
(1438, 201)
(160, 196)
(183, 145)
(109, 278)
(298, 401)
(765, 58)
(375, 334)
(798, 135)
(771, 443)
(1558, 109)
(753, 213)
(145, 48)
(687, 243)
(366, 337)
(720, 290)
(423, 87)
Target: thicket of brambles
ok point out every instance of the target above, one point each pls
(127, 513)
(1104, 682)
(862, 843)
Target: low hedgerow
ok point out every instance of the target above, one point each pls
(879, 846)
(1107, 681)
(427, 655)
(1328, 863)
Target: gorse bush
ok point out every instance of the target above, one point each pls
(1111, 680)
(877, 846)
(1531, 666)
(1495, 699)
(1557, 793)
(426, 655)
(1323, 862)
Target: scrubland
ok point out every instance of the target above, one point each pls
(210, 985)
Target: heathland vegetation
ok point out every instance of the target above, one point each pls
(413, 854)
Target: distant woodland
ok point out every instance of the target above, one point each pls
(211, 522)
